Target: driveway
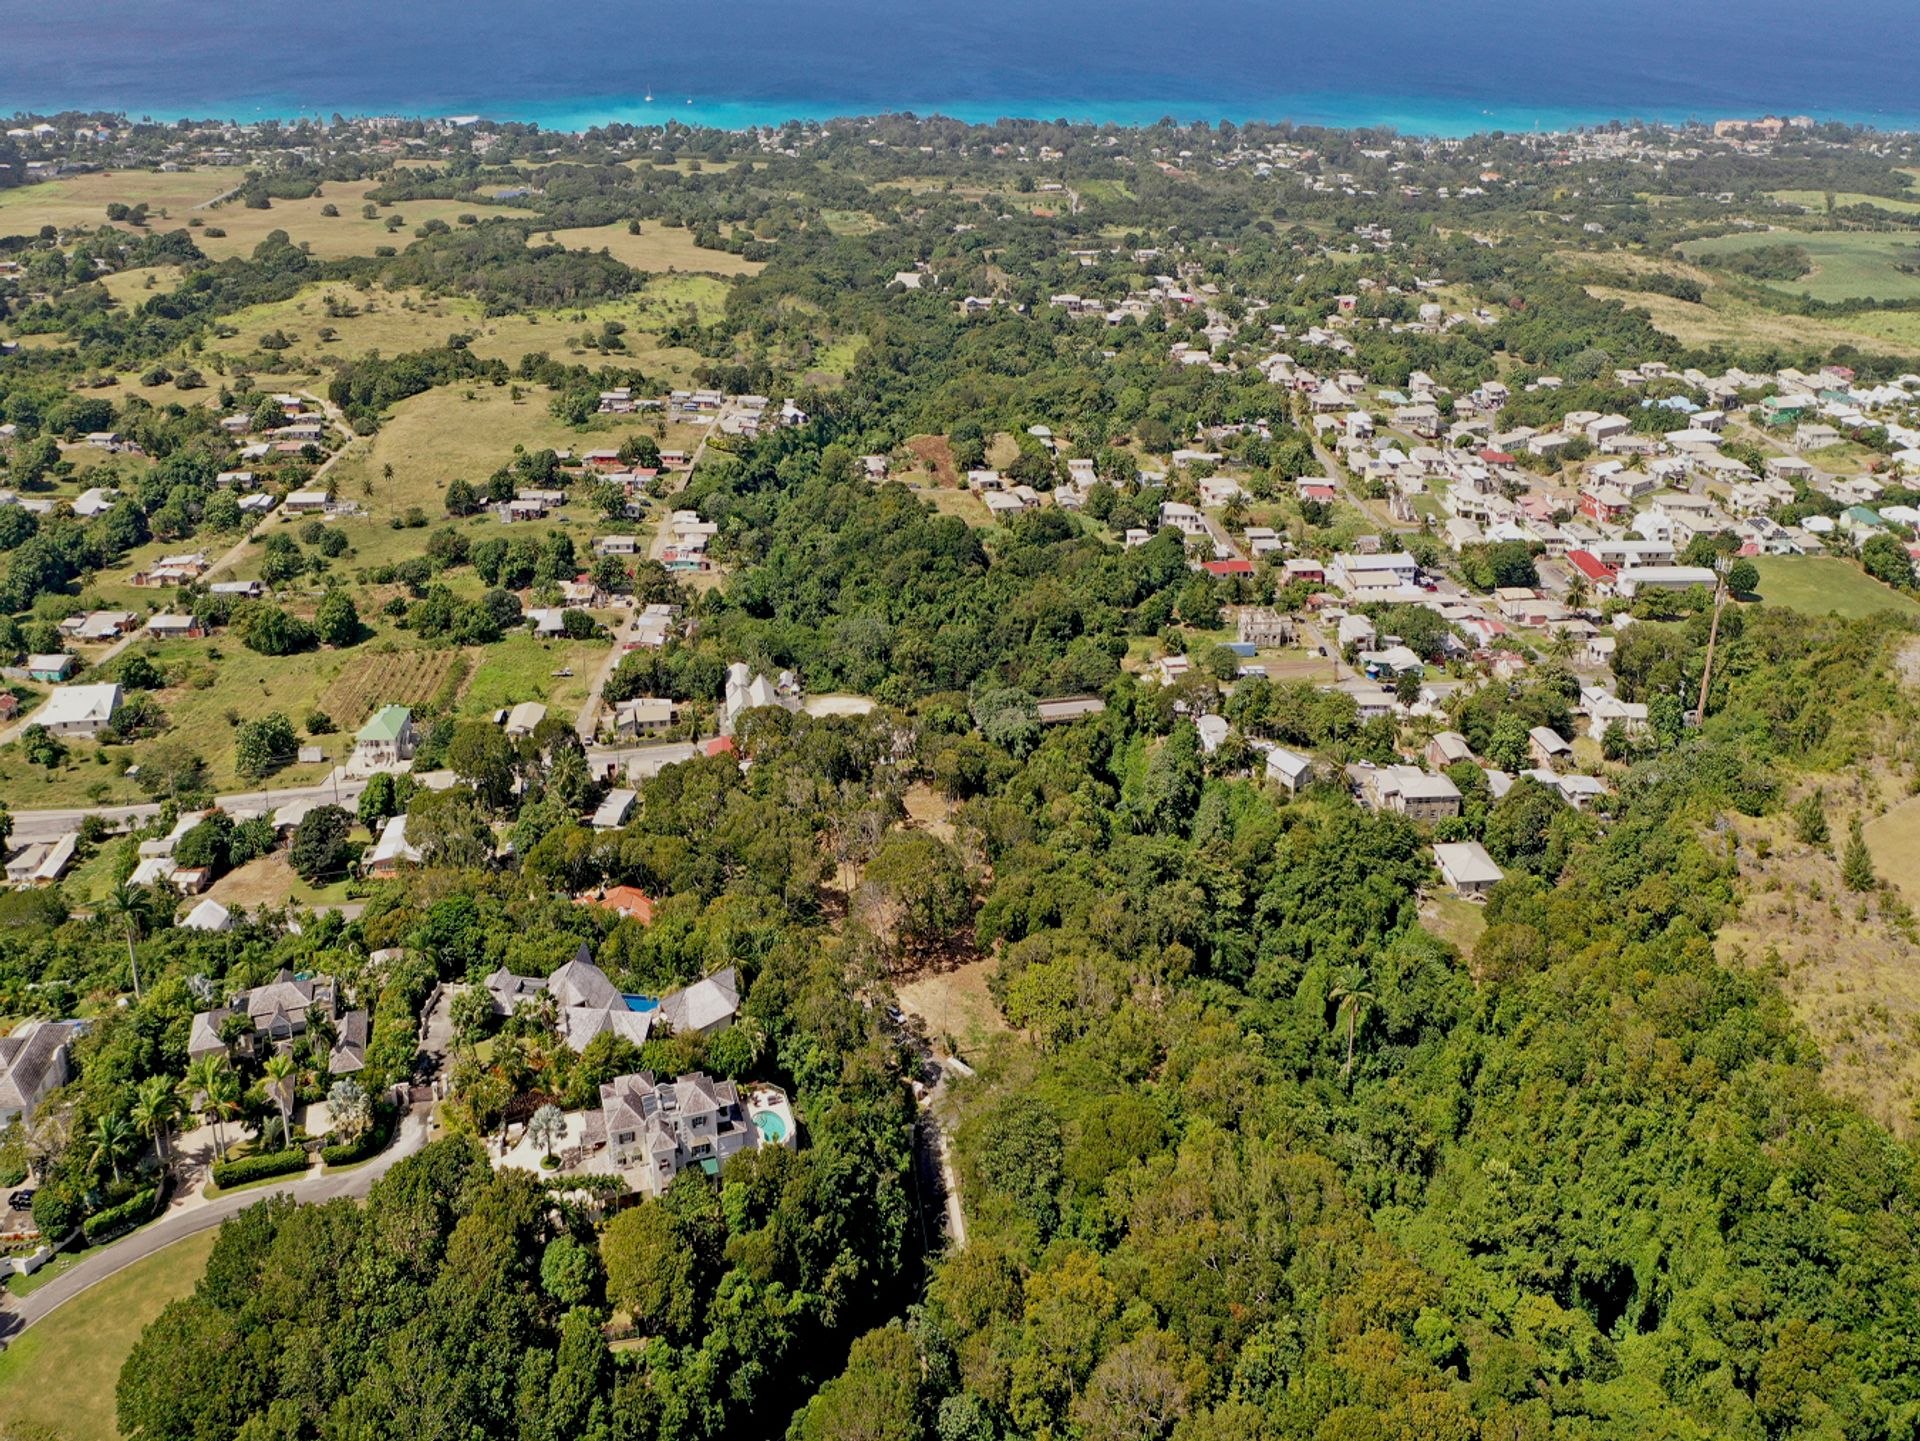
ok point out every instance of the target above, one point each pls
(19, 1312)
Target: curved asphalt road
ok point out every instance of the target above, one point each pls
(19, 1312)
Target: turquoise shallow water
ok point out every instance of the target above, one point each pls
(1426, 66)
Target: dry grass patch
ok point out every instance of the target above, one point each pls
(1848, 970)
(656, 248)
(955, 1005)
(330, 237)
(1894, 839)
(81, 201)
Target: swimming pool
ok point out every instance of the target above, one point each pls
(773, 1129)
(641, 1003)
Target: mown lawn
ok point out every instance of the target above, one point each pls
(58, 1378)
(1818, 584)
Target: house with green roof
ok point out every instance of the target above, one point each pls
(1862, 520)
(385, 741)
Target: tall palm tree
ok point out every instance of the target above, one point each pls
(545, 1128)
(223, 1097)
(111, 1139)
(1351, 998)
(132, 906)
(156, 1107)
(210, 1076)
(281, 1069)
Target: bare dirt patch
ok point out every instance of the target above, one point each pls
(955, 1005)
(936, 455)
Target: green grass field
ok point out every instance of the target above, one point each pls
(524, 667)
(1818, 584)
(1847, 264)
(58, 1379)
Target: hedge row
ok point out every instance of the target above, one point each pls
(370, 1142)
(103, 1225)
(258, 1168)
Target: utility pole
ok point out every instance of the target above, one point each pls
(1713, 637)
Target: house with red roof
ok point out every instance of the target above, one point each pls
(630, 902)
(1227, 567)
(1598, 575)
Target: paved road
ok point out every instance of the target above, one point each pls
(1336, 472)
(588, 723)
(191, 1215)
(31, 826)
(19, 1312)
(48, 825)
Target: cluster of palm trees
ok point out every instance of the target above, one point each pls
(212, 1086)
(156, 1110)
(213, 1080)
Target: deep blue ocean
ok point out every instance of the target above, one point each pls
(1425, 66)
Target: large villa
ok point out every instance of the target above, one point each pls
(654, 1130)
(588, 1004)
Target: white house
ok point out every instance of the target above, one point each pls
(80, 710)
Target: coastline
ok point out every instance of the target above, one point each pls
(1409, 115)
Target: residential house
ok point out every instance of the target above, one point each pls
(587, 1003)
(662, 1128)
(1409, 790)
(175, 627)
(706, 1006)
(1548, 747)
(1288, 768)
(524, 718)
(1466, 866)
(1062, 709)
(643, 715)
(1665, 577)
(41, 863)
(208, 915)
(615, 810)
(384, 741)
(54, 667)
(392, 852)
(1447, 748)
(270, 1015)
(1263, 627)
(34, 1062)
(80, 710)
(99, 625)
